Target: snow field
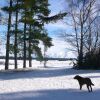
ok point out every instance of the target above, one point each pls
(52, 83)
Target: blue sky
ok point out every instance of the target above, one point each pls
(59, 48)
(55, 7)
(2, 2)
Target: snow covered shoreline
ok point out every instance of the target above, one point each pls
(37, 64)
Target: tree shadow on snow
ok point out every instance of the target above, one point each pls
(44, 73)
(52, 94)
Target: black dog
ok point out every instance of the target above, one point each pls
(83, 81)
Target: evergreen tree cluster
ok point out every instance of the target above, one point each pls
(25, 29)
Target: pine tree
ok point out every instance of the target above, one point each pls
(16, 32)
(32, 17)
(8, 9)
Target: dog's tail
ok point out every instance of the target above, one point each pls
(92, 84)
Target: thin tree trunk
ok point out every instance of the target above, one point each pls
(16, 31)
(45, 61)
(81, 42)
(81, 47)
(90, 39)
(30, 51)
(8, 39)
(24, 49)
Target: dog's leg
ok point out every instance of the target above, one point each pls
(88, 88)
(80, 87)
(91, 88)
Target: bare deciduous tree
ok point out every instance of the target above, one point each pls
(82, 15)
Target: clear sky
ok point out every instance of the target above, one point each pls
(59, 48)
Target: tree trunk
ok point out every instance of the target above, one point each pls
(24, 57)
(16, 31)
(24, 49)
(45, 61)
(30, 51)
(81, 47)
(8, 39)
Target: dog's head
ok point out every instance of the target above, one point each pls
(76, 77)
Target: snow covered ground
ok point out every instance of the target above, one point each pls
(37, 64)
(52, 83)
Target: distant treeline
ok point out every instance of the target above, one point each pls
(21, 58)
